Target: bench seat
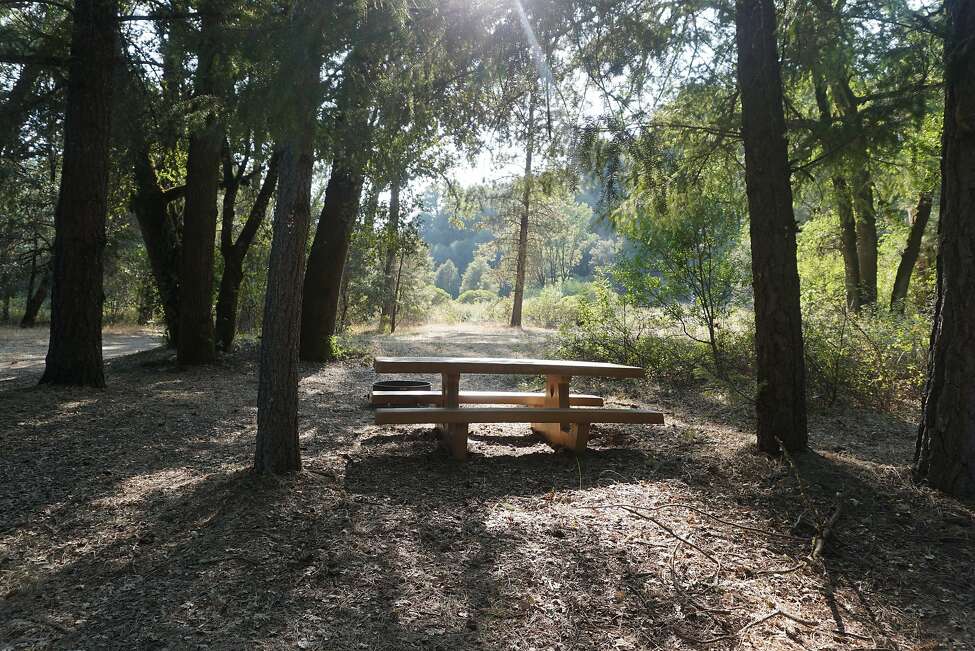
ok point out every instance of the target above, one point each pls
(528, 398)
(560, 427)
(422, 415)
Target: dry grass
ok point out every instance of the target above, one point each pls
(129, 518)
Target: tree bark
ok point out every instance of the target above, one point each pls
(866, 231)
(862, 190)
(74, 353)
(522, 261)
(35, 300)
(277, 449)
(781, 401)
(945, 455)
(905, 268)
(389, 274)
(196, 337)
(160, 233)
(326, 263)
(841, 196)
(395, 311)
(158, 222)
(326, 260)
(147, 300)
(235, 251)
(848, 242)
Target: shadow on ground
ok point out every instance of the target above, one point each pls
(129, 517)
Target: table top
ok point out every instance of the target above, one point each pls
(503, 366)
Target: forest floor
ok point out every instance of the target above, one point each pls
(129, 518)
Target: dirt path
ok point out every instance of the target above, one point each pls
(22, 350)
(129, 518)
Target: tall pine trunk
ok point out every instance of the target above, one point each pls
(862, 183)
(841, 195)
(848, 243)
(196, 336)
(522, 260)
(277, 448)
(326, 263)
(330, 248)
(780, 405)
(35, 299)
(389, 273)
(74, 354)
(160, 235)
(945, 455)
(235, 251)
(905, 269)
(866, 230)
(152, 206)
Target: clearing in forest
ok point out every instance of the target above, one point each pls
(130, 517)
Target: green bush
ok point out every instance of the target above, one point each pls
(877, 359)
(439, 296)
(500, 310)
(477, 296)
(549, 309)
(609, 328)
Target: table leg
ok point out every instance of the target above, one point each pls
(573, 436)
(454, 435)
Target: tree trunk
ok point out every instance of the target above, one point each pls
(781, 401)
(196, 337)
(277, 448)
(911, 250)
(848, 239)
(866, 231)
(389, 275)
(74, 353)
(147, 300)
(395, 311)
(862, 190)
(841, 195)
(326, 263)
(34, 302)
(32, 276)
(945, 456)
(519, 293)
(160, 235)
(234, 253)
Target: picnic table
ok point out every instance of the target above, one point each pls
(559, 416)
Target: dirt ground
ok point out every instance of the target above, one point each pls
(22, 350)
(129, 519)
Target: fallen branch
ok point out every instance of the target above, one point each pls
(825, 531)
(671, 532)
(761, 620)
(743, 527)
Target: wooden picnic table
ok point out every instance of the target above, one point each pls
(558, 426)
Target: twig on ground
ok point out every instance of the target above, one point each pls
(699, 511)
(825, 531)
(670, 531)
(785, 570)
(761, 620)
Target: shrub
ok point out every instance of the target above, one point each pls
(477, 296)
(549, 309)
(877, 359)
(438, 296)
(610, 328)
